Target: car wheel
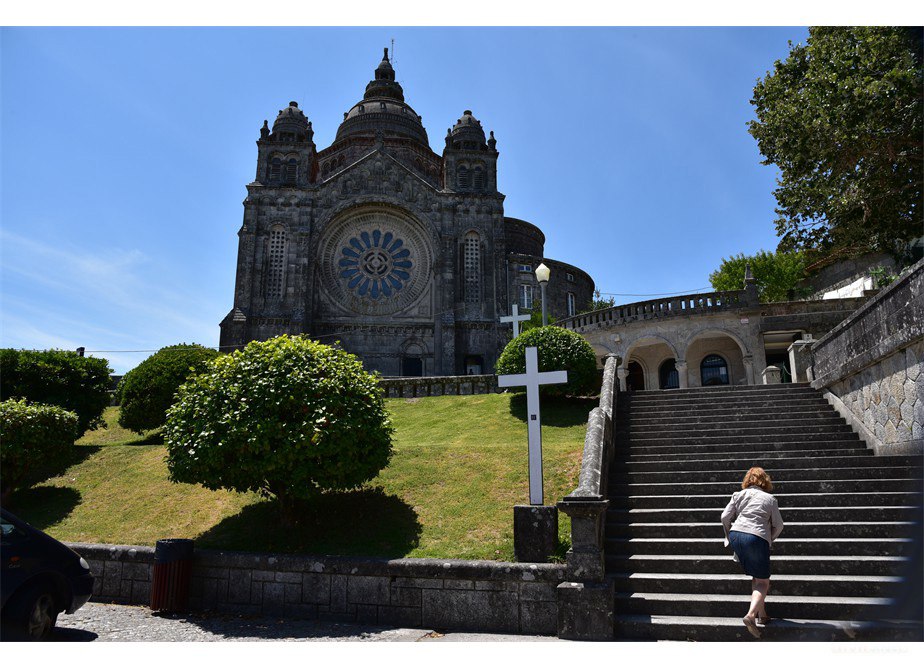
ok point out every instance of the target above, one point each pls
(35, 612)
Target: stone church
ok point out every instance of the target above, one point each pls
(400, 255)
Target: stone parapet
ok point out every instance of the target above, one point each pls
(437, 386)
(872, 364)
(491, 596)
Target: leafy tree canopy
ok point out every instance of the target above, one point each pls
(775, 273)
(842, 119)
(558, 349)
(598, 303)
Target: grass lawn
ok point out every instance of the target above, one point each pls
(459, 467)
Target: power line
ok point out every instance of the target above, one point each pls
(656, 294)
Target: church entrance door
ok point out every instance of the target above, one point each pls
(411, 366)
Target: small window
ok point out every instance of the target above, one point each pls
(571, 309)
(277, 263)
(570, 277)
(291, 172)
(478, 179)
(526, 296)
(275, 169)
(524, 268)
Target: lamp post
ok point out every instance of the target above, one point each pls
(542, 275)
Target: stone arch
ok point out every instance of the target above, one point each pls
(737, 356)
(649, 338)
(634, 347)
(720, 331)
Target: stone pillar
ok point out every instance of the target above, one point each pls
(800, 359)
(622, 373)
(681, 366)
(772, 375)
(585, 610)
(535, 533)
(748, 369)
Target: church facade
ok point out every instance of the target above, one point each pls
(400, 255)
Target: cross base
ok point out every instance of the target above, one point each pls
(535, 533)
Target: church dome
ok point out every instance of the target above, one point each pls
(468, 128)
(291, 119)
(383, 108)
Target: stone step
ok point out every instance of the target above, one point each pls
(780, 565)
(729, 629)
(778, 462)
(763, 458)
(877, 586)
(710, 401)
(805, 514)
(809, 546)
(672, 449)
(780, 424)
(619, 477)
(673, 420)
(832, 499)
(786, 486)
(793, 530)
(730, 605)
(743, 406)
(737, 435)
(724, 391)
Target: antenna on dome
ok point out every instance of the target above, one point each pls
(392, 51)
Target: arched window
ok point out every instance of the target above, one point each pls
(472, 268)
(635, 380)
(463, 177)
(291, 172)
(713, 371)
(275, 169)
(571, 305)
(667, 375)
(275, 277)
(478, 179)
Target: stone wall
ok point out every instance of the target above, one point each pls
(871, 366)
(436, 386)
(454, 595)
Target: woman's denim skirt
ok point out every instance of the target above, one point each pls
(753, 553)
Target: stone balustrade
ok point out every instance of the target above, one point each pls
(436, 386)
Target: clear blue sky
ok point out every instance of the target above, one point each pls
(125, 152)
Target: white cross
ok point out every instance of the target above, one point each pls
(532, 379)
(516, 319)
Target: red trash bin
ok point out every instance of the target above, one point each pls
(172, 574)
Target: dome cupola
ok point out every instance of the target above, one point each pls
(291, 119)
(467, 133)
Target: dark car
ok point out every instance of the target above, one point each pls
(39, 578)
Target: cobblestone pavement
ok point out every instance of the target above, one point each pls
(125, 623)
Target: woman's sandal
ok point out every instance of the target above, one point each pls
(751, 626)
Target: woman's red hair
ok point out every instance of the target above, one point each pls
(758, 477)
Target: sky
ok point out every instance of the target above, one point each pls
(126, 151)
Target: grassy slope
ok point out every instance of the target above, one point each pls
(459, 466)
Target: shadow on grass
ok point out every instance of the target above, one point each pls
(43, 506)
(366, 522)
(555, 411)
(153, 438)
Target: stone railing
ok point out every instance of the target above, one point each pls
(706, 302)
(586, 600)
(492, 596)
(871, 366)
(436, 386)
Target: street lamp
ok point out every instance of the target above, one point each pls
(542, 275)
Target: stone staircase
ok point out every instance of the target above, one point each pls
(850, 518)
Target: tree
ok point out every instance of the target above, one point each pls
(775, 273)
(287, 418)
(60, 378)
(842, 119)
(558, 349)
(598, 303)
(147, 391)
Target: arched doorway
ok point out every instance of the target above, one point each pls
(713, 370)
(411, 366)
(635, 380)
(668, 378)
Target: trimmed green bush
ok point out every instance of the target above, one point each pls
(287, 417)
(147, 391)
(60, 378)
(558, 349)
(32, 435)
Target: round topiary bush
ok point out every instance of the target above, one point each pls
(32, 435)
(558, 349)
(147, 391)
(287, 417)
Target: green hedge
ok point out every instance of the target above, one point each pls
(32, 435)
(148, 390)
(558, 350)
(287, 417)
(60, 378)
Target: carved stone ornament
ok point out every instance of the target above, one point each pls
(375, 260)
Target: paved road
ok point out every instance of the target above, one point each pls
(124, 623)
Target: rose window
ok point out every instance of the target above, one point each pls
(375, 265)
